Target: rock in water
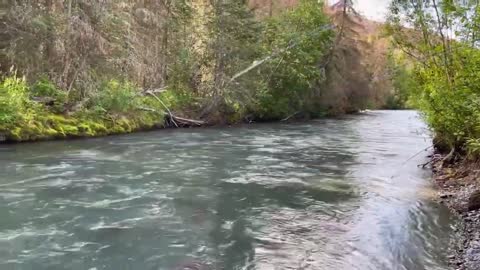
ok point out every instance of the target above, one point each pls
(474, 201)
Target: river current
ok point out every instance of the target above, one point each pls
(333, 194)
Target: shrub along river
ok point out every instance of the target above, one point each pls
(327, 194)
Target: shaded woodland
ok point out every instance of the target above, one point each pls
(88, 68)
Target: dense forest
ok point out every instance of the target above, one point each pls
(88, 68)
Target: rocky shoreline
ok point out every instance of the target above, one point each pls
(459, 190)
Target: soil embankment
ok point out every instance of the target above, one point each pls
(459, 187)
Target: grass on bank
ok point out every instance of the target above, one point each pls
(41, 111)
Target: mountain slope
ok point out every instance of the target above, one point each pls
(358, 74)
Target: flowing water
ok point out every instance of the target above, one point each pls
(327, 194)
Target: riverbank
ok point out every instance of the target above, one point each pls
(459, 189)
(166, 123)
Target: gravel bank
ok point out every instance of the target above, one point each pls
(459, 189)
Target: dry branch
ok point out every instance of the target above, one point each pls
(176, 120)
(165, 106)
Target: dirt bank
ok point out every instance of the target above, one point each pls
(459, 189)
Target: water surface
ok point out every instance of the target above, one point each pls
(328, 194)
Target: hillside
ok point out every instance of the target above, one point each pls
(358, 75)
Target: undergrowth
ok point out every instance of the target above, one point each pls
(37, 112)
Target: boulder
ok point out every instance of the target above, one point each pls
(474, 201)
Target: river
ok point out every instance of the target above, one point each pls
(328, 194)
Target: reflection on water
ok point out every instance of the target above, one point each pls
(327, 194)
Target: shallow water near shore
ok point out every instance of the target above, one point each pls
(327, 194)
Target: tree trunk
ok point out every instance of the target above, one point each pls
(203, 14)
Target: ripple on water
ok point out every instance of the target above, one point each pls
(328, 194)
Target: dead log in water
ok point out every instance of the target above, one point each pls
(188, 122)
(174, 120)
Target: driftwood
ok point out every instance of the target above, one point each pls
(290, 116)
(173, 119)
(188, 122)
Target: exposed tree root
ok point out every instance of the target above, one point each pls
(448, 158)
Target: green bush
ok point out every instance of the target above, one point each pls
(118, 108)
(303, 38)
(117, 97)
(447, 67)
(272, 107)
(15, 106)
(47, 92)
(174, 99)
(452, 109)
